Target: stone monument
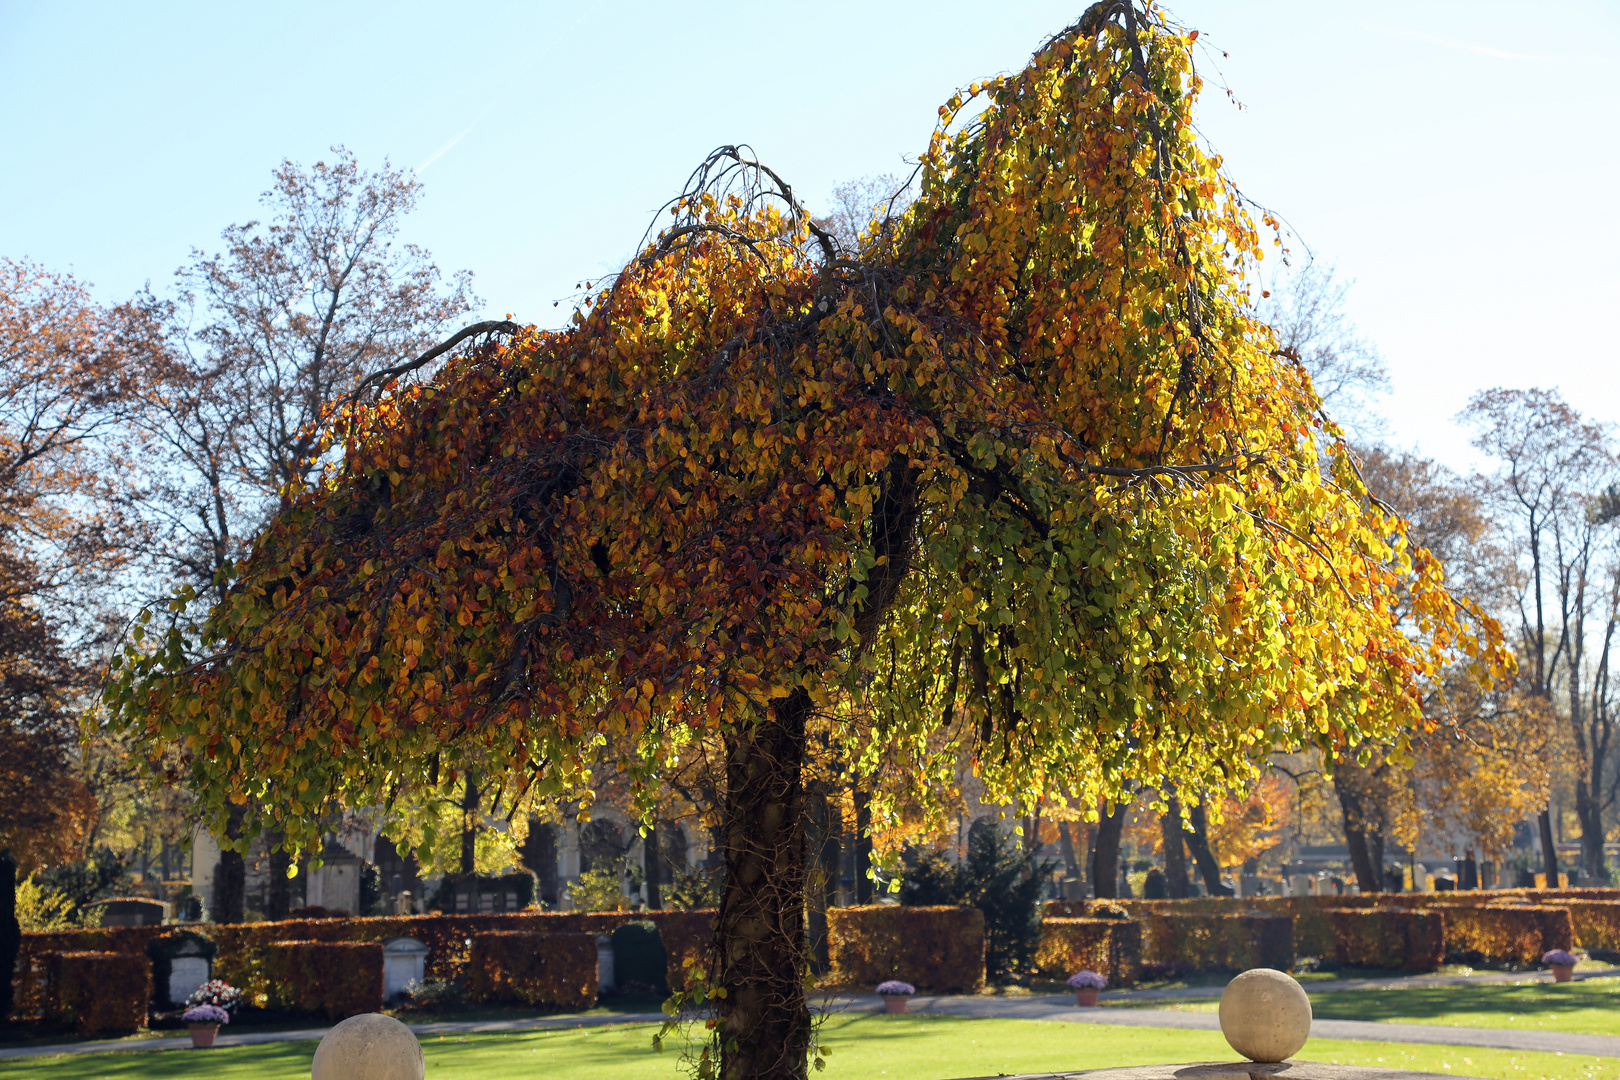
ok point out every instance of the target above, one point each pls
(1265, 1015)
(370, 1046)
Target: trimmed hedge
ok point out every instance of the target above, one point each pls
(333, 978)
(30, 978)
(1508, 933)
(1596, 923)
(1206, 943)
(99, 993)
(1388, 937)
(556, 970)
(1110, 947)
(939, 949)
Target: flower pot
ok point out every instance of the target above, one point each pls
(202, 1035)
(1563, 972)
(895, 1003)
(1085, 995)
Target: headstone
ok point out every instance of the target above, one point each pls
(402, 905)
(404, 962)
(605, 983)
(186, 973)
(132, 911)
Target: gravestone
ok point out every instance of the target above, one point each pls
(132, 911)
(404, 962)
(188, 969)
(605, 981)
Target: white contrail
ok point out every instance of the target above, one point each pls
(445, 149)
(1461, 46)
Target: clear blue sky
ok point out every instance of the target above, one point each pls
(1458, 159)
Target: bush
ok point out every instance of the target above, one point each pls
(558, 970)
(598, 890)
(99, 993)
(937, 948)
(1209, 942)
(999, 879)
(1110, 947)
(1507, 933)
(1596, 923)
(639, 962)
(1388, 937)
(333, 978)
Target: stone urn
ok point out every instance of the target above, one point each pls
(203, 1035)
(1086, 995)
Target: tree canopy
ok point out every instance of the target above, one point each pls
(1021, 477)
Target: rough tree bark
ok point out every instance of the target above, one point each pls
(278, 897)
(469, 824)
(863, 846)
(10, 932)
(651, 865)
(1198, 844)
(1549, 853)
(230, 877)
(1175, 853)
(1369, 874)
(1105, 855)
(766, 1033)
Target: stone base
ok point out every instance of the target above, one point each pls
(1238, 1070)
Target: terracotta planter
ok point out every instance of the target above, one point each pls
(1086, 995)
(1562, 972)
(202, 1035)
(895, 1003)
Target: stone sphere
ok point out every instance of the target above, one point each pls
(1265, 1015)
(370, 1046)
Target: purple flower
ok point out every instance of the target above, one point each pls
(206, 1014)
(1559, 956)
(895, 986)
(1083, 979)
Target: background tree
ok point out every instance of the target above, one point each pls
(1022, 479)
(261, 339)
(1554, 466)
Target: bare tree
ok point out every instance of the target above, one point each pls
(1307, 311)
(857, 204)
(260, 341)
(1555, 467)
(294, 314)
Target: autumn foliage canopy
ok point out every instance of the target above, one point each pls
(1021, 478)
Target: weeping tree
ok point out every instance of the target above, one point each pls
(1018, 476)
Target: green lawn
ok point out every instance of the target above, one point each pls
(865, 1047)
(1588, 1007)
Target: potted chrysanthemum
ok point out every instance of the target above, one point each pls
(1562, 963)
(204, 1022)
(1085, 985)
(895, 994)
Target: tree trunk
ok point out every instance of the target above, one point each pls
(1071, 862)
(10, 932)
(278, 897)
(1590, 811)
(1549, 853)
(469, 824)
(863, 846)
(1198, 844)
(822, 894)
(760, 928)
(1368, 874)
(651, 867)
(1105, 855)
(230, 877)
(1175, 853)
